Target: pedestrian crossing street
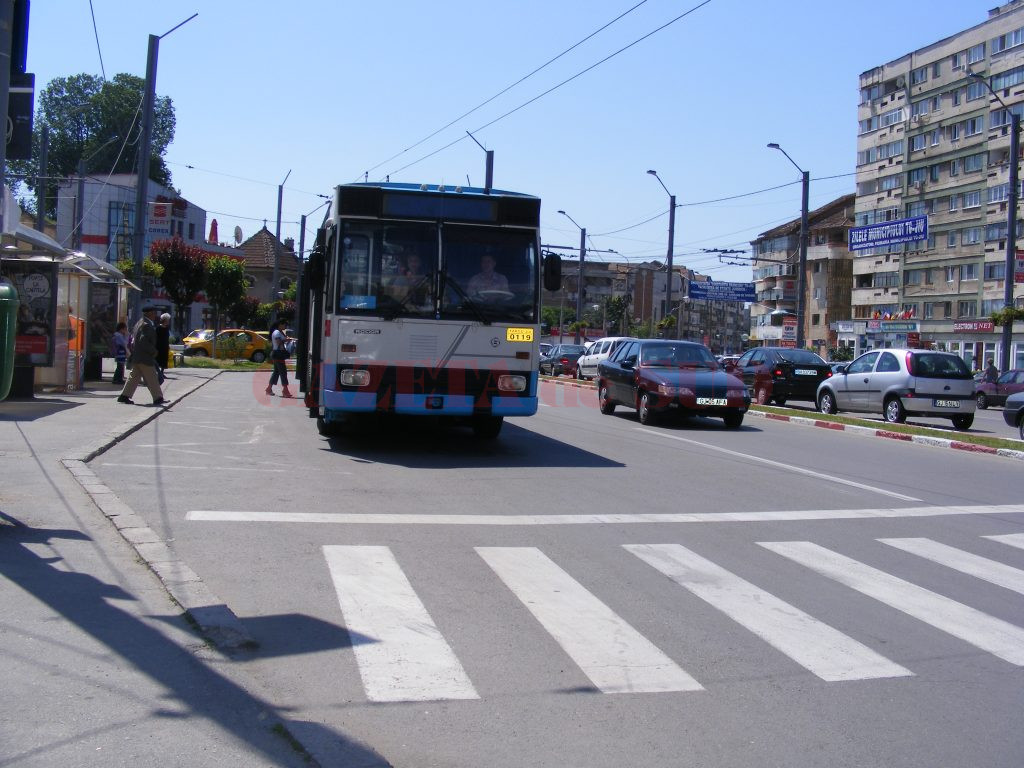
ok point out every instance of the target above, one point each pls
(406, 657)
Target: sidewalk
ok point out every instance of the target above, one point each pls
(98, 666)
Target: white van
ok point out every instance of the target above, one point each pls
(586, 366)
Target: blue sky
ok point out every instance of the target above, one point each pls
(329, 90)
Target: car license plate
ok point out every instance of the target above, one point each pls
(711, 401)
(805, 372)
(947, 403)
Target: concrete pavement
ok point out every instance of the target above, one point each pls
(100, 663)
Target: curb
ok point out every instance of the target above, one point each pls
(937, 442)
(211, 615)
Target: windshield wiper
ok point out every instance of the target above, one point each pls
(477, 309)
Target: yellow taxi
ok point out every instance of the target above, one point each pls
(235, 343)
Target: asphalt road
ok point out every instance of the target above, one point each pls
(585, 591)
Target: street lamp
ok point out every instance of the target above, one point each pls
(671, 245)
(802, 276)
(579, 281)
(1011, 224)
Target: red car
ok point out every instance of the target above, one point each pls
(995, 392)
(657, 376)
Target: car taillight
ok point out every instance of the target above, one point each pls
(910, 363)
(564, 361)
(778, 373)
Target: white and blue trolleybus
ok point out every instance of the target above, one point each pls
(424, 300)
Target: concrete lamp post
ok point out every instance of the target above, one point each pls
(579, 280)
(671, 247)
(802, 276)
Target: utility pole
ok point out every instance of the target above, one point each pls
(277, 238)
(6, 38)
(44, 148)
(76, 238)
(801, 300)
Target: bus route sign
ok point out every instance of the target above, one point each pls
(717, 290)
(889, 233)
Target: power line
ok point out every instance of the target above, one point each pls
(556, 87)
(96, 32)
(507, 89)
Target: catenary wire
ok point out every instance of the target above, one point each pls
(506, 89)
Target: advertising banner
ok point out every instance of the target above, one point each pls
(715, 290)
(36, 283)
(889, 233)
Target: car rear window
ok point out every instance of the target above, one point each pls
(935, 366)
(800, 356)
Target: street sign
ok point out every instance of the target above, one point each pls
(1018, 267)
(715, 290)
(889, 233)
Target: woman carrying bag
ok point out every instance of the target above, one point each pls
(278, 354)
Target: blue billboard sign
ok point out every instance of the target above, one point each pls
(889, 233)
(715, 290)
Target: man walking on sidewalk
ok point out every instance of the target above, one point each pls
(144, 358)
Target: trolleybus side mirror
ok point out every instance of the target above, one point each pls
(552, 272)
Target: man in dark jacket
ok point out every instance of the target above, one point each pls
(144, 358)
(163, 345)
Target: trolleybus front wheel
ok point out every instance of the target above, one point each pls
(487, 427)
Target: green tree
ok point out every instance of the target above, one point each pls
(616, 309)
(95, 121)
(225, 287)
(184, 273)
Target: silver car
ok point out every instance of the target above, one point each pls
(900, 383)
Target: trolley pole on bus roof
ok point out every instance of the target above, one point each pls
(489, 169)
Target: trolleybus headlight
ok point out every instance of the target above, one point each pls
(354, 378)
(512, 383)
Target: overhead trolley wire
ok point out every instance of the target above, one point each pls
(556, 87)
(507, 88)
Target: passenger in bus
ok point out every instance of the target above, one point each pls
(487, 279)
(410, 286)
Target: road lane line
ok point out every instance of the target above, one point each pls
(983, 568)
(780, 465)
(402, 518)
(1013, 539)
(994, 635)
(403, 657)
(615, 657)
(205, 467)
(814, 645)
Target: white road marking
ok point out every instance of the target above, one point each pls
(615, 657)
(199, 424)
(1013, 539)
(384, 518)
(403, 657)
(257, 434)
(814, 645)
(973, 565)
(780, 465)
(994, 635)
(204, 467)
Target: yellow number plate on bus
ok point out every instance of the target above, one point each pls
(519, 334)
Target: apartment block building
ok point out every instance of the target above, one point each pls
(934, 141)
(829, 279)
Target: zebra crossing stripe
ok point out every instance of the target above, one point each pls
(403, 657)
(973, 565)
(996, 636)
(615, 657)
(814, 645)
(1013, 539)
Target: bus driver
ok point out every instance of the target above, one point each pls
(487, 279)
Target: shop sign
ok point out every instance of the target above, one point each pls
(979, 326)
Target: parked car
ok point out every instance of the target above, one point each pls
(781, 374)
(1013, 412)
(199, 334)
(240, 342)
(656, 376)
(561, 359)
(586, 366)
(995, 392)
(544, 347)
(903, 382)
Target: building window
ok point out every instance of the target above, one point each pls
(956, 61)
(955, 97)
(968, 308)
(988, 306)
(191, 230)
(929, 310)
(917, 175)
(120, 229)
(951, 273)
(933, 172)
(976, 90)
(972, 199)
(815, 319)
(995, 231)
(918, 208)
(889, 182)
(976, 54)
(968, 271)
(951, 239)
(936, 69)
(885, 280)
(973, 126)
(974, 163)
(971, 236)
(1008, 79)
(954, 167)
(954, 202)
(931, 240)
(954, 132)
(995, 271)
(917, 143)
(919, 75)
(1009, 40)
